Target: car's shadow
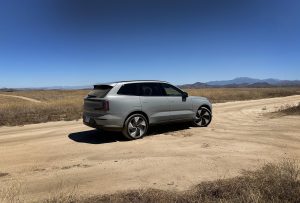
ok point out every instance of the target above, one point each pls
(96, 137)
(102, 137)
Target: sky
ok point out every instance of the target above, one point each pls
(82, 42)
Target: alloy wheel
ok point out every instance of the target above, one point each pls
(137, 127)
(203, 117)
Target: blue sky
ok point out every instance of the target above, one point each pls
(81, 42)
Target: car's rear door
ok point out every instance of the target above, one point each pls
(153, 102)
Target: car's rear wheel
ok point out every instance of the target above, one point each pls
(135, 127)
(203, 117)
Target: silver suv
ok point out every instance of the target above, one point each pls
(131, 106)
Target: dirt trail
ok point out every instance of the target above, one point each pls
(21, 97)
(43, 156)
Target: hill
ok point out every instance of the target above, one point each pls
(245, 82)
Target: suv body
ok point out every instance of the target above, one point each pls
(128, 105)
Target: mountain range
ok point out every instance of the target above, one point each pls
(244, 82)
(236, 82)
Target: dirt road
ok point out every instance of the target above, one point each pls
(45, 158)
(21, 97)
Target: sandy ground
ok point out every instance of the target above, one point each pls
(21, 97)
(49, 157)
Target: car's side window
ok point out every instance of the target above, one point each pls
(171, 90)
(150, 89)
(129, 89)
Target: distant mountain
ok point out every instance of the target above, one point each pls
(244, 82)
(47, 88)
(66, 87)
(7, 89)
(260, 84)
(234, 83)
(195, 85)
(271, 81)
(240, 80)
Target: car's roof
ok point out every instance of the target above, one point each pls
(129, 81)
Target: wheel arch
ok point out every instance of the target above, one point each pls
(206, 106)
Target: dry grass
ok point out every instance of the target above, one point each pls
(272, 183)
(55, 106)
(59, 105)
(14, 191)
(217, 95)
(11, 193)
(63, 195)
(52, 95)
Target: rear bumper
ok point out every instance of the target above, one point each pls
(106, 122)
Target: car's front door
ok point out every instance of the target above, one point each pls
(181, 107)
(154, 103)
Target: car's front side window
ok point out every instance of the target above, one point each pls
(171, 90)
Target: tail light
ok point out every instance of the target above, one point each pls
(105, 105)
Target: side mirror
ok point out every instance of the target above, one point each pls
(185, 94)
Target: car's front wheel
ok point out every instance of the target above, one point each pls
(135, 127)
(203, 117)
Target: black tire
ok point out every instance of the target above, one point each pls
(135, 127)
(203, 117)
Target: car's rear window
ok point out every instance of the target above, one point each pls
(129, 89)
(100, 91)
